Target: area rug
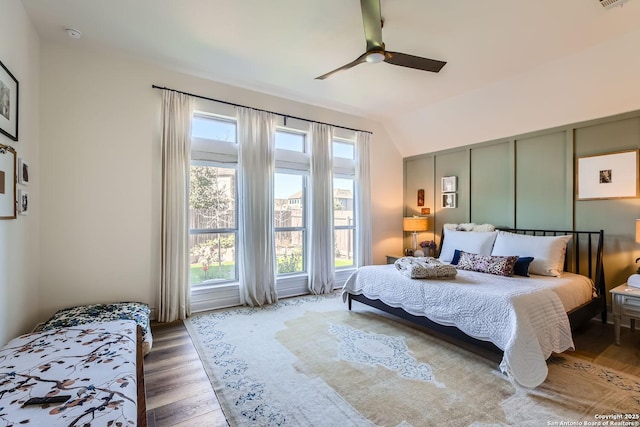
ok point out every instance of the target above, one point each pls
(308, 361)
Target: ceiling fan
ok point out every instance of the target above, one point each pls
(376, 52)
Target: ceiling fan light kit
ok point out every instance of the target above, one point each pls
(375, 57)
(376, 52)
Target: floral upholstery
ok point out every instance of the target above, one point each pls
(94, 363)
(73, 316)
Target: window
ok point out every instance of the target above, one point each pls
(343, 149)
(290, 229)
(213, 201)
(213, 228)
(344, 222)
(290, 185)
(290, 140)
(344, 190)
(209, 127)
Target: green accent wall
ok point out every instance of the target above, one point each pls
(544, 189)
(528, 181)
(617, 216)
(492, 168)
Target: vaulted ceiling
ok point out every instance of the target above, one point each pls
(280, 46)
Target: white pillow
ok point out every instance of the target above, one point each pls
(548, 252)
(474, 242)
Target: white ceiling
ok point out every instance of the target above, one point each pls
(280, 46)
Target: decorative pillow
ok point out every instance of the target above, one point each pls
(466, 226)
(468, 241)
(548, 251)
(484, 227)
(456, 257)
(469, 226)
(499, 265)
(522, 266)
(82, 314)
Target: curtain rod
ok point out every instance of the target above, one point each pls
(286, 116)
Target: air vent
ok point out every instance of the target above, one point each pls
(611, 3)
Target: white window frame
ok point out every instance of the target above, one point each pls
(228, 230)
(305, 221)
(209, 296)
(346, 169)
(205, 297)
(353, 226)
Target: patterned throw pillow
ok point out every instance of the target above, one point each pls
(499, 265)
(82, 314)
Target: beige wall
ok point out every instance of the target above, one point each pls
(19, 248)
(100, 172)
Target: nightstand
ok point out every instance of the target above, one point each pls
(393, 258)
(626, 302)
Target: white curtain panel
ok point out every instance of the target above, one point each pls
(364, 250)
(256, 249)
(177, 110)
(321, 253)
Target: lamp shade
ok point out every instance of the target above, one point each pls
(415, 224)
(638, 230)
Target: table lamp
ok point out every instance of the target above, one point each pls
(415, 224)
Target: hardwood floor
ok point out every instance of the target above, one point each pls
(178, 390)
(180, 394)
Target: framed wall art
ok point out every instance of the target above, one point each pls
(8, 103)
(7, 182)
(449, 200)
(449, 184)
(23, 202)
(607, 176)
(23, 172)
(421, 197)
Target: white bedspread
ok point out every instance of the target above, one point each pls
(522, 317)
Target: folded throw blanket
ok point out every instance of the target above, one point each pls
(425, 268)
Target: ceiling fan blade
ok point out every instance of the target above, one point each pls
(410, 61)
(372, 21)
(358, 60)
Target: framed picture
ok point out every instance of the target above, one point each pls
(421, 197)
(23, 172)
(449, 200)
(607, 176)
(7, 182)
(449, 184)
(8, 103)
(23, 202)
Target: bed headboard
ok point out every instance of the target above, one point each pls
(584, 252)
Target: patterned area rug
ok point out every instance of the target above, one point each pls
(308, 361)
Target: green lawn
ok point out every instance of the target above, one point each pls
(344, 262)
(226, 271)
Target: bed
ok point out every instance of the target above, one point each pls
(525, 317)
(98, 365)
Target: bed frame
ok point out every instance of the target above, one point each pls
(142, 395)
(584, 256)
